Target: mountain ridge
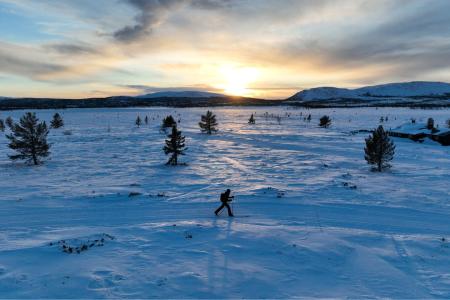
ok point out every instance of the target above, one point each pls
(397, 89)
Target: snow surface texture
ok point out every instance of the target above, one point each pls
(182, 94)
(406, 89)
(311, 219)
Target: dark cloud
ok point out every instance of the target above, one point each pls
(407, 34)
(211, 4)
(146, 89)
(150, 14)
(27, 67)
(72, 49)
(406, 44)
(427, 19)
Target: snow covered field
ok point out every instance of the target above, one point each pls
(311, 219)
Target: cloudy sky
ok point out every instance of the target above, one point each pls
(259, 48)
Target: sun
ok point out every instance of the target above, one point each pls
(238, 79)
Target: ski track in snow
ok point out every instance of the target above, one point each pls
(312, 220)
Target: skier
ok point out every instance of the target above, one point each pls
(225, 198)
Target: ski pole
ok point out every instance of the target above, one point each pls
(232, 205)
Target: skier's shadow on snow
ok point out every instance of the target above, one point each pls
(214, 257)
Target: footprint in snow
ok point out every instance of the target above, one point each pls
(105, 279)
(161, 282)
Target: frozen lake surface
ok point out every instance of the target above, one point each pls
(311, 220)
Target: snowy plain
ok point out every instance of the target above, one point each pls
(311, 220)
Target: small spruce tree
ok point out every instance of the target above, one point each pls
(9, 121)
(175, 146)
(251, 120)
(57, 121)
(168, 122)
(430, 123)
(29, 139)
(146, 120)
(278, 120)
(448, 123)
(138, 121)
(308, 118)
(2, 125)
(208, 123)
(325, 121)
(381, 119)
(379, 150)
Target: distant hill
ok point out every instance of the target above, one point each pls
(127, 101)
(395, 90)
(323, 93)
(407, 89)
(181, 94)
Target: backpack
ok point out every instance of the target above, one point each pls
(223, 198)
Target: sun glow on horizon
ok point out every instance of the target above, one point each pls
(238, 79)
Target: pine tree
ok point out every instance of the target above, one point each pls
(278, 120)
(168, 122)
(146, 120)
(430, 123)
(379, 150)
(251, 120)
(9, 121)
(325, 122)
(381, 119)
(208, 123)
(448, 123)
(29, 139)
(57, 121)
(308, 118)
(175, 146)
(2, 125)
(138, 121)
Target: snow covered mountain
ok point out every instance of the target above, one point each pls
(405, 89)
(323, 93)
(181, 94)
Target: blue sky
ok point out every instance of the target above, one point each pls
(18, 27)
(264, 48)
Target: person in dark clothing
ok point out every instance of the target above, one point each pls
(225, 198)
